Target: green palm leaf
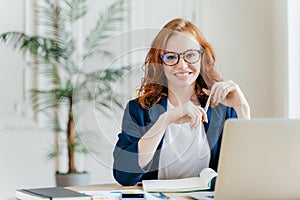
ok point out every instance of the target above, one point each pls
(35, 45)
(51, 19)
(76, 9)
(105, 26)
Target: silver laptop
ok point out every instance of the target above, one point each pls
(259, 159)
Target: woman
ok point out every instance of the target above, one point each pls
(166, 132)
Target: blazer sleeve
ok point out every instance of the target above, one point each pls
(136, 122)
(230, 113)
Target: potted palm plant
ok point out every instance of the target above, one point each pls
(59, 63)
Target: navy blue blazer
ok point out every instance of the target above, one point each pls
(137, 121)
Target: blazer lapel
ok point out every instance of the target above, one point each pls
(213, 130)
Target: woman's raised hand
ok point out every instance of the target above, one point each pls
(229, 94)
(187, 112)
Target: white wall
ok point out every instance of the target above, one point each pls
(12, 64)
(22, 144)
(248, 36)
(23, 160)
(280, 59)
(241, 33)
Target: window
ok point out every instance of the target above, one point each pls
(293, 16)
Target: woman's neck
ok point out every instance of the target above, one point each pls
(179, 96)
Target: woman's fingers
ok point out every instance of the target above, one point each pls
(204, 115)
(206, 91)
(227, 93)
(220, 90)
(191, 113)
(198, 115)
(194, 117)
(215, 91)
(227, 89)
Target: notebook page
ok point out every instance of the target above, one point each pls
(175, 185)
(206, 175)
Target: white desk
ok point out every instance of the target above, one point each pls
(179, 196)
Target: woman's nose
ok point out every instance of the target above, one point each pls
(181, 63)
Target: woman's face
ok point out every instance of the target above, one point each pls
(183, 73)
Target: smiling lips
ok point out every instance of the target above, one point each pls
(182, 74)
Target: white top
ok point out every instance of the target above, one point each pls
(185, 151)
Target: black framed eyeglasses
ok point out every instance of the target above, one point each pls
(190, 56)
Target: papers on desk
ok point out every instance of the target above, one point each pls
(116, 194)
(103, 195)
(202, 195)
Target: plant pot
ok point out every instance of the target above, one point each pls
(63, 180)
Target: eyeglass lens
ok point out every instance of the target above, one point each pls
(190, 56)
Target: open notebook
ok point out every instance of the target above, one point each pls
(181, 185)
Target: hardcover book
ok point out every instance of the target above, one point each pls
(52, 193)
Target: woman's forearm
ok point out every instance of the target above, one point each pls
(243, 111)
(150, 141)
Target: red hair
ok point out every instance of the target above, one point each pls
(154, 83)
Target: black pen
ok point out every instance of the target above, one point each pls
(164, 196)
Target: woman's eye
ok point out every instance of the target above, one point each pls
(170, 57)
(190, 55)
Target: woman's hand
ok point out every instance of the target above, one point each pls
(188, 112)
(229, 94)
